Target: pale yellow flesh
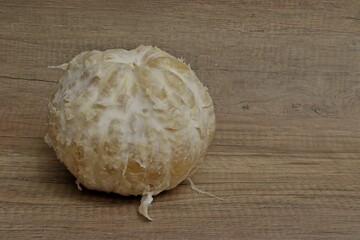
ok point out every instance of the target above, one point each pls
(131, 122)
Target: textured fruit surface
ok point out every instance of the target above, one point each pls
(130, 122)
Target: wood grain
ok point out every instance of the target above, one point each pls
(285, 79)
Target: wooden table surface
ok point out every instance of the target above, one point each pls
(285, 81)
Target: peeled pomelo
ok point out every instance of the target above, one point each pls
(132, 122)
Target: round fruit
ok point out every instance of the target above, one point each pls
(130, 122)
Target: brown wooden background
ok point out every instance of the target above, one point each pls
(285, 79)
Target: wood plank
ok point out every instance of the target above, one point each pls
(284, 190)
(285, 79)
(253, 61)
(23, 108)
